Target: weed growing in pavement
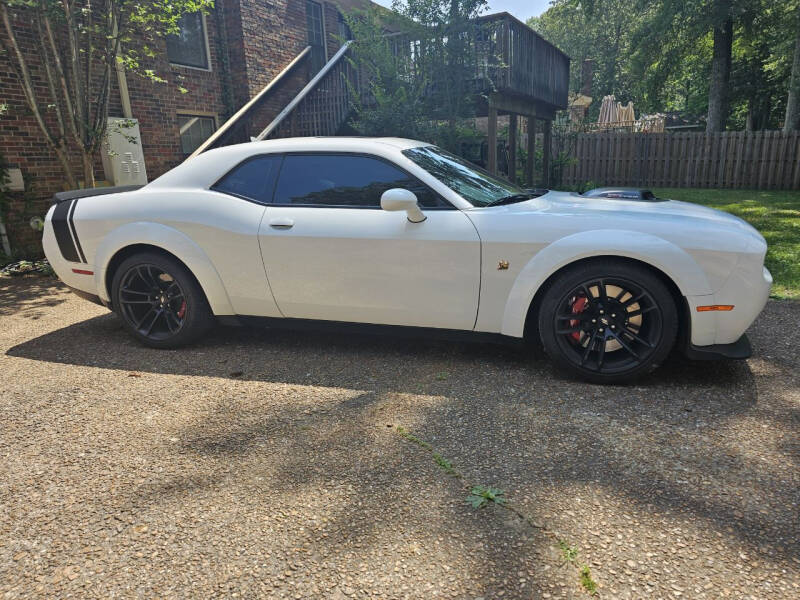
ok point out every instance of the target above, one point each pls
(481, 496)
(440, 460)
(569, 553)
(445, 464)
(587, 582)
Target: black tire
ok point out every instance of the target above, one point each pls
(159, 301)
(608, 321)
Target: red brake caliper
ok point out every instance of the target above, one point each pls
(182, 311)
(577, 307)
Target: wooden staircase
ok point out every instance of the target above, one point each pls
(321, 108)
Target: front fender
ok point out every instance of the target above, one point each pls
(677, 264)
(173, 241)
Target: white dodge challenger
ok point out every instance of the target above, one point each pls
(394, 232)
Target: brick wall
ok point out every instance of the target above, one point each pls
(259, 39)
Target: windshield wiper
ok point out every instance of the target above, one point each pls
(511, 199)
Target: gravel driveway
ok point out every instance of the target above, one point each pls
(270, 464)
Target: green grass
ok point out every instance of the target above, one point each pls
(775, 214)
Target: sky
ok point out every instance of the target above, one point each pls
(522, 9)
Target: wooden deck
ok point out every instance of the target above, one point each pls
(532, 68)
(510, 59)
(517, 72)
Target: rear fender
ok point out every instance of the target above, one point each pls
(665, 256)
(174, 242)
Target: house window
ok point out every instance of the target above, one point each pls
(344, 29)
(195, 130)
(189, 47)
(316, 35)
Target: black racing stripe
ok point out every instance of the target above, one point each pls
(61, 231)
(74, 232)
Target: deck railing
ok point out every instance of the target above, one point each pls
(322, 106)
(532, 66)
(508, 57)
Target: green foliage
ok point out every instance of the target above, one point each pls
(440, 460)
(80, 43)
(658, 53)
(13, 267)
(426, 92)
(587, 582)
(600, 31)
(775, 214)
(481, 496)
(445, 464)
(569, 553)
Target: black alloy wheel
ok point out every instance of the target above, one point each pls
(608, 325)
(152, 301)
(159, 301)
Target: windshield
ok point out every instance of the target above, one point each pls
(476, 186)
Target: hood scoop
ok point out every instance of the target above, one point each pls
(611, 193)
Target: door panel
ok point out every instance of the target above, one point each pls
(372, 266)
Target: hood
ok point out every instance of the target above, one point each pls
(621, 210)
(690, 226)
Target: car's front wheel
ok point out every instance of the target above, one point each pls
(608, 321)
(159, 301)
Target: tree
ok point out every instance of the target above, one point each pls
(392, 104)
(718, 107)
(756, 88)
(447, 34)
(599, 30)
(792, 118)
(79, 44)
(421, 82)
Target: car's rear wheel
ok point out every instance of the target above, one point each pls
(159, 301)
(608, 321)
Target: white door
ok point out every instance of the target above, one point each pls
(331, 253)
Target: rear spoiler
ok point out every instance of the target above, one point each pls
(60, 197)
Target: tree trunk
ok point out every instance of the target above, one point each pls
(748, 125)
(720, 72)
(21, 66)
(792, 120)
(88, 169)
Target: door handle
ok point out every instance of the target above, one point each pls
(281, 223)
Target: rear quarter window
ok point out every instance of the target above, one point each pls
(253, 179)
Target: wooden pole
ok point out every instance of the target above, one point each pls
(492, 141)
(512, 148)
(546, 149)
(529, 164)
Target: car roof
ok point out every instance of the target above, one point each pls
(349, 143)
(205, 168)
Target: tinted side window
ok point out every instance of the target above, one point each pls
(253, 179)
(344, 180)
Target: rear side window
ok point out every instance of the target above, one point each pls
(345, 181)
(253, 179)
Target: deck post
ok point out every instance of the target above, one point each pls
(529, 164)
(491, 157)
(512, 147)
(547, 147)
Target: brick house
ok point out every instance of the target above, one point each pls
(281, 68)
(222, 59)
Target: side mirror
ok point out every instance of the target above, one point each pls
(400, 199)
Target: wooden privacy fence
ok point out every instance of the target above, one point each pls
(732, 159)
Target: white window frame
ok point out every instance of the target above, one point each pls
(208, 54)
